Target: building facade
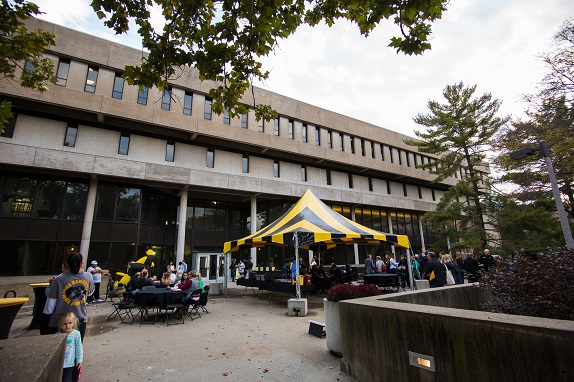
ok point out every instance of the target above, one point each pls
(100, 166)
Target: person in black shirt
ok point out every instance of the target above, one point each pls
(486, 261)
(435, 271)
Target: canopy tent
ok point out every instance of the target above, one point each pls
(310, 224)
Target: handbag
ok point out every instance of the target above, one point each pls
(449, 277)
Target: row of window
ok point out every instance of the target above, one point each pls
(394, 154)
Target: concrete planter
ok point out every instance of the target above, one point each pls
(333, 327)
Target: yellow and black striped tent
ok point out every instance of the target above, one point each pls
(317, 227)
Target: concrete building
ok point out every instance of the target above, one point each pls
(93, 164)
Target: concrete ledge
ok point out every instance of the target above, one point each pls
(465, 345)
(33, 359)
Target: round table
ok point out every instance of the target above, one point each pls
(9, 308)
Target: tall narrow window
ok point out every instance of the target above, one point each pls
(245, 164)
(124, 144)
(226, 117)
(350, 180)
(407, 155)
(304, 131)
(210, 161)
(290, 129)
(142, 95)
(328, 173)
(170, 152)
(382, 152)
(433, 195)
(187, 103)
(276, 126)
(388, 187)
(304, 173)
(399, 156)
(118, 87)
(62, 72)
(370, 184)
(362, 147)
(420, 193)
(352, 144)
(244, 120)
(276, 169)
(415, 159)
(166, 99)
(261, 125)
(391, 159)
(405, 189)
(71, 133)
(329, 139)
(317, 136)
(91, 79)
(341, 142)
(372, 149)
(207, 109)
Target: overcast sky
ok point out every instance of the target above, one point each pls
(494, 44)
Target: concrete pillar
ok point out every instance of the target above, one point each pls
(89, 218)
(179, 254)
(355, 246)
(390, 223)
(421, 231)
(254, 227)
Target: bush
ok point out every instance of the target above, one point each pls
(539, 288)
(350, 291)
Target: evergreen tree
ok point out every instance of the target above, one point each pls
(459, 134)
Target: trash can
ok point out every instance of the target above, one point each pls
(215, 288)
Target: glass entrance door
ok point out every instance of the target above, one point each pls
(211, 266)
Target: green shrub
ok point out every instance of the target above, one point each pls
(540, 288)
(350, 291)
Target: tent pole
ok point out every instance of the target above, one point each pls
(297, 277)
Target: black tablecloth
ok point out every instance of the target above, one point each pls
(382, 279)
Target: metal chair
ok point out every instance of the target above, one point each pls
(123, 308)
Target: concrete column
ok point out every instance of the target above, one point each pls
(421, 231)
(180, 253)
(355, 246)
(254, 227)
(89, 219)
(390, 222)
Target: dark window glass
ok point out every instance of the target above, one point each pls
(18, 197)
(207, 109)
(245, 164)
(328, 177)
(91, 79)
(290, 129)
(317, 136)
(209, 219)
(304, 130)
(29, 67)
(276, 126)
(48, 200)
(358, 215)
(376, 215)
(75, 201)
(118, 87)
(370, 184)
(142, 95)
(350, 180)
(304, 173)
(420, 193)
(124, 144)
(170, 152)
(399, 156)
(198, 217)
(244, 120)
(405, 189)
(71, 133)
(415, 159)
(352, 144)
(362, 147)
(407, 155)
(210, 162)
(341, 142)
(62, 72)
(391, 155)
(9, 127)
(187, 103)
(128, 204)
(226, 118)
(388, 187)
(433, 195)
(373, 150)
(276, 169)
(329, 139)
(166, 99)
(382, 152)
(105, 203)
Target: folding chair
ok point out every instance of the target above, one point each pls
(175, 305)
(123, 308)
(149, 302)
(193, 303)
(203, 299)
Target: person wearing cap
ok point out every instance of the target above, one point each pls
(97, 275)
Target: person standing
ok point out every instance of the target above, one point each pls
(69, 293)
(233, 269)
(435, 271)
(241, 268)
(369, 265)
(486, 261)
(392, 264)
(97, 276)
(249, 265)
(380, 265)
(74, 354)
(184, 264)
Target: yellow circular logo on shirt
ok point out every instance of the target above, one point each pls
(75, 292)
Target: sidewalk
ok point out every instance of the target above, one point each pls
(243, 338)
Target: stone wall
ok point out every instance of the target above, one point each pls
(465, 345)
